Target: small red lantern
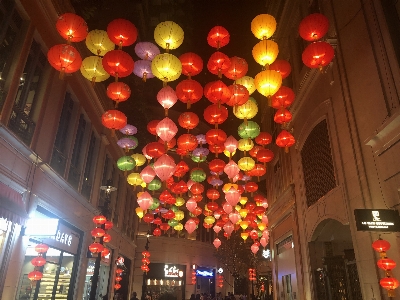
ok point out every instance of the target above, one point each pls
(218, 63)
(118, 91)
(97, 232)
(72, 27)
(284, 97)
(390, 284)
(118, 278)
(119, 271)
(155, 149)
(188, 120)
(381, 246)
(216, 148)
(216, 166)
(118, 63)
(181, 169)
(263, 139)
(318, 55)
(213, 194)
(282, 116)
(386, 264)
(251, 187)
(151, 126)
(192, 64)
(197, 188)
(313, 27)
(64, 58)
(285, 140)
(148, 218)
(117, 286)
(105, 252)
(189, 91)
(157, 231)
(106, 238)
(96, 247)
(239, 95)
(282, 66)
(216, 137)
(99, 219)
(218, 37)
(41, 248)
(38, 261)
(108, 225)
(187, 142)
(217, 92)
(35, 275)
(122, 32)
(212, 206)
(114, 119)
(164, 227)
(215, 114)
(265, 155)
(237, 69)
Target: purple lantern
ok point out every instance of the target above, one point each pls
(216, 182)
(142, 69)
(127, 143)
(129, 130)
(200, 152)
(146, 50)
(201, 139)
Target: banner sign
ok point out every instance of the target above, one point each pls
(384, 220)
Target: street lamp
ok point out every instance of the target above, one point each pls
(105, 211)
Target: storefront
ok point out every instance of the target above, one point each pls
(205, 281)
(165, 279)
(62, 258)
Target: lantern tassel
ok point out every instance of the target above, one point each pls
(391, 293)
(188, 104)
(144, 76)
(112, 132)
(269, 101)
(93, 81)
(286, 149)
(61, 75)
(166, 112)
(245, 121)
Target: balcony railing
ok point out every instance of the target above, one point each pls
(21, 125)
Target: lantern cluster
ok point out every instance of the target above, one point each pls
(252, 274)
(100, 236)
(146, 51)
(145, 261)
(193, 276)
(220, 281)
(388, 282)
(319, 53)
(38, 262)
(118, 277)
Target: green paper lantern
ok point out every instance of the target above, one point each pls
(199, 159)
(134, 139)
(155, 205)
(126, 163)
(174, 208)
(198, 175)
(154, 185)
(173, 222)
(248, 130)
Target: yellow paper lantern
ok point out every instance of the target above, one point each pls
(179, 201)
(166, 67)
(209, 220)
(143, 184)
(178, 227)
(134, 179)
(228, 186)
(268, 82)
(244, 224)
(246, 163)
(92, 69)
(98, 42)
(228, 154)
(244, 235)
(248, 83)
(139, 212)
(265, 52)
(263, 26)
(179, 215)
(139, 158)
(243, 213)
(261, 226)
(168, 35)
(246, 111)
(243, 200)
(245, 144)
(238, 208)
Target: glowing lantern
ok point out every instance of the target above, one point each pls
(106, 239)
(237, 69)
(72, 27)
(215, 137)
(64, 58)
(239, 95)
(217, 92)
(245, 145)
(285, 140)
(114, 119)
(35, 276)
(246, 111)
(217, 243)
(265, 155)
(166, 67)
(198, 175)
(127, 143)
(167, 98)
(152, 127)
(181, 169)
(92, 69)
(146, 50)
(248, 83)
(142, 69)
(268, 82)
(282, 116)
(98, 42)
(209, 220)
(118, 63)
(228, 228)
(96, 247)
(140, 159)
(243, 213)
(390, 284)
(97, 232)
(99, 220)
(122, 32)
(145, 201)
(284, 97)
(254, 248)
(216, 165)
(179, 202)
(231, 144)
(118, 91)
(318, 55)
(313, 27)
(168, 35)
(197, 188)
(232, 196)
(187, 142)
(244, 235)
(246, 163)
(164, 167)
(234, 217)
(39, 261)
(381, 246)
(215, 114)
(190, 226)
(263, 26)
(166, 129)
(189, 91)
(282, 66)
(231, 169)
(386, 264)
(108, 225)
(263, 139)
(188, 120)
(126, 163)
(218, 63)
(191, 205)
(253, 151)
(192, 64)
(147, 174)
(218, 37)
(265, 52)
(154, 185)
(248, 130)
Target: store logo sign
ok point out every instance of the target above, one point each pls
(64, 238)
(172, 271)
(204, 273)
(385, 220)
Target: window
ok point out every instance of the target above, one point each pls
(11, 24)
(107, 174)
(21, 121)
(284, 245)
(60, 150)
(391, 9)
(316, 157)
(90, 167)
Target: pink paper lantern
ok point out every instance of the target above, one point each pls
(227, 207)
(231, 144)
(164, 167)
(166, 129)
(191, 205)
(145, 201)
(263, 242)
(217, 215)
(147, 174)
(265, 233)
(264, 219)
(216, 228)
(254, 248)
(232, 196)
(228, 227)
(234, 217)
(231, 169)
(167, 97)
(217, 243)
(190, 226)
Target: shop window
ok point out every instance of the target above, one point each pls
(10, 29)
(318, 170)
(284, 245)
(90, 166)
(21, 121)
(391, 9)
(60, 150)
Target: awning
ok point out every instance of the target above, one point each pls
(12, 207)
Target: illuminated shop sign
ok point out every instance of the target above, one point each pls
(41, 227)
(65, 239)
(172, 271)
(385, 220)
(204, 273)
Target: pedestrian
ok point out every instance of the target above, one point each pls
(134, 296)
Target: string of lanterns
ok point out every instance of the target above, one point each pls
(38, 262)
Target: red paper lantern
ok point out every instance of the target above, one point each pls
(117, 286)
(318, 55)
(164, 226)
(157, 231)
(237, 69)
(253, 152)
(381, 245)
(118, 91)
(212, 206)
(151, 126)
(118, 278)
(213, 194)
(187, 142)
(64, 58)
(215, 137)
(155, 149)
(122, 32)
(282, 66)
(105, 252)
(99, 219)
(217, 92)
(285, 140)
(284, 97)
(35, 275)
(390, 284)
(239, 95)
(189, 91)
(106, 238)
(197, 188)
(72, 27)
(38, 261)
(313, 27)
(118, 63)
(386, 264)
(282, 116)
(215, 114)
(108, 225)
(148, 218)
(41, 248)
(251, 187)
(181, 169)
(216, 148)
(97, 232)
(188, 120)
(218, 63)
(216, 166)
(218, 37)
(96, 247)
(265, 155)
(192, 64)
(114, 119)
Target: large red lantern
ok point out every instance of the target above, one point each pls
(215, 137)
(181, 169)
(218, 63)
(114, 119)
(218, 92)
(216, 165)
(64, 58)
(188, 120)
(285, 140)
(381, 246)
(118, 91)
(97, 232)
(318, 55)
(72, 27)
(237, 69)
(218, 37)
(284, 97)
(108, 225)
(189, 91)
(239, 95)
(187, 142)
(164, 167)
(122, 32)
(192, 64)
(282, 66)
(313, 27)
(96, 247)
(282, 116)
(118, 63)
(215, 114)
(155, 149)
(258, 171)
(167, 98)
(251, 187)
(166, 129)
(197, 188)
